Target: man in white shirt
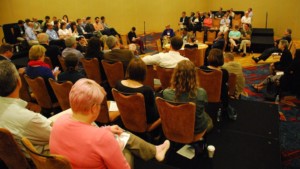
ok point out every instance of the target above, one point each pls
(167, 60)
(14, 116)
(246, 19)
(31, 35)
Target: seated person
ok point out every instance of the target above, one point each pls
(246, 19)
(184, 88)
(268, 52)
(100, 147)
(167, 60)
(71, 47)
(6, 51)
(184, 36)
(89, 27)
(218, 43)
(191, 43)
(235, 67)
(234, 37)
(63, 32)
(19, 31)
(207, 22)
(15, 117)
(197, 23)
(166, 35)
(71, 74)
(219, 13)
(31, 35)
(215, 61)
(224, 23)
(134, 39)
(285, 59)
(111, 30)
(38, 68)
(246, 37)
(183, 21)
(117, 54)
(135, 76)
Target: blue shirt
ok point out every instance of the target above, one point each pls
(52, 34)
(30, 34)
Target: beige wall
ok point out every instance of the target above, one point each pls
(123, 14)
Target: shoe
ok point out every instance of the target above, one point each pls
(238, 51)
(244, 54)
(255, 59)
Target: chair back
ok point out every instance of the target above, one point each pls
(236, 22)
(62, 90)
(178, 33)
(178, 120)
(40, 91)
(103, 116)
(164, 75)
(114, 72)
(10, 152)
(211, 36)
(48, 61)
(237, 16)
(293, 48)
(24, 91)
(125, 41)
(216, 22)
(62, 63)
(200, 36)
(158, 44)
(92, 69)
(45, 161)
(193, 55)
(150, 75)
(232, 84)
(211, 82)
(132, 110)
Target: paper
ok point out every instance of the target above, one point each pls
(113, 106)
(187, 151)
(124, 137)
(279, 73)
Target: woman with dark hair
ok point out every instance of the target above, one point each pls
(215, 61)
(63, 32)
(135, 76)
(73, 29)
(94, 50)
(185, 88)
(65, 18)
(71, 74)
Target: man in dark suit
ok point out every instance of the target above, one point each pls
(6, 52)
(89, 27)
(117, 54)
(52, 51)
(184, 21)
(268, 52)
(19, 31)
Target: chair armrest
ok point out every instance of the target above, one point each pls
(154, 125)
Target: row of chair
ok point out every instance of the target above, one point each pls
(13, 158)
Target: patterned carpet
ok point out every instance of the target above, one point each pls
(289, 110)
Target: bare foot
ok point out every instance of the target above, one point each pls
(161, 150)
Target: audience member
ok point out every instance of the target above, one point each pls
(52, 51)
(54, 18)
(36, 25)
(220, 13)
(191, 20)
(51, 32)
(183, 21)
(235, 67)
(197, 23)
(234, 37)
(102, 142)
(63, 32)
(89, 27)
(38, 68)
(71, 74)
(246, 19)
(19, 31)
(185, 88)
(99, 27)
(44, 24)
(166, 35)
(134, 39)
(215, 61)
(218, 43)
(246, 37)
(30, 34)
(268, 52)
(111, 30)
(117, 54)
(207, 22)
(80, 27)
(285, 59)
(191, 42)
(250, 12)
(167, 60)
(135, 76)
(231, 13)
(71, 46)
(20, 121)
(224, 23)
(73, 29)
(6, 51)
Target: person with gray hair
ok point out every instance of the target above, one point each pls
(71, 45)
(6, 51)
(235, 67)
(52, 51)
(117, 54)
(268, 52)
(20, 121)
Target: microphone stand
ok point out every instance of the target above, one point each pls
(145, 35)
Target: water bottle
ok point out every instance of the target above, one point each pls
(219, 115)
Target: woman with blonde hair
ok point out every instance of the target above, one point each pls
(184, 88)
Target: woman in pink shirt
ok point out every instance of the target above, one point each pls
(88, 146)
(207, 22)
